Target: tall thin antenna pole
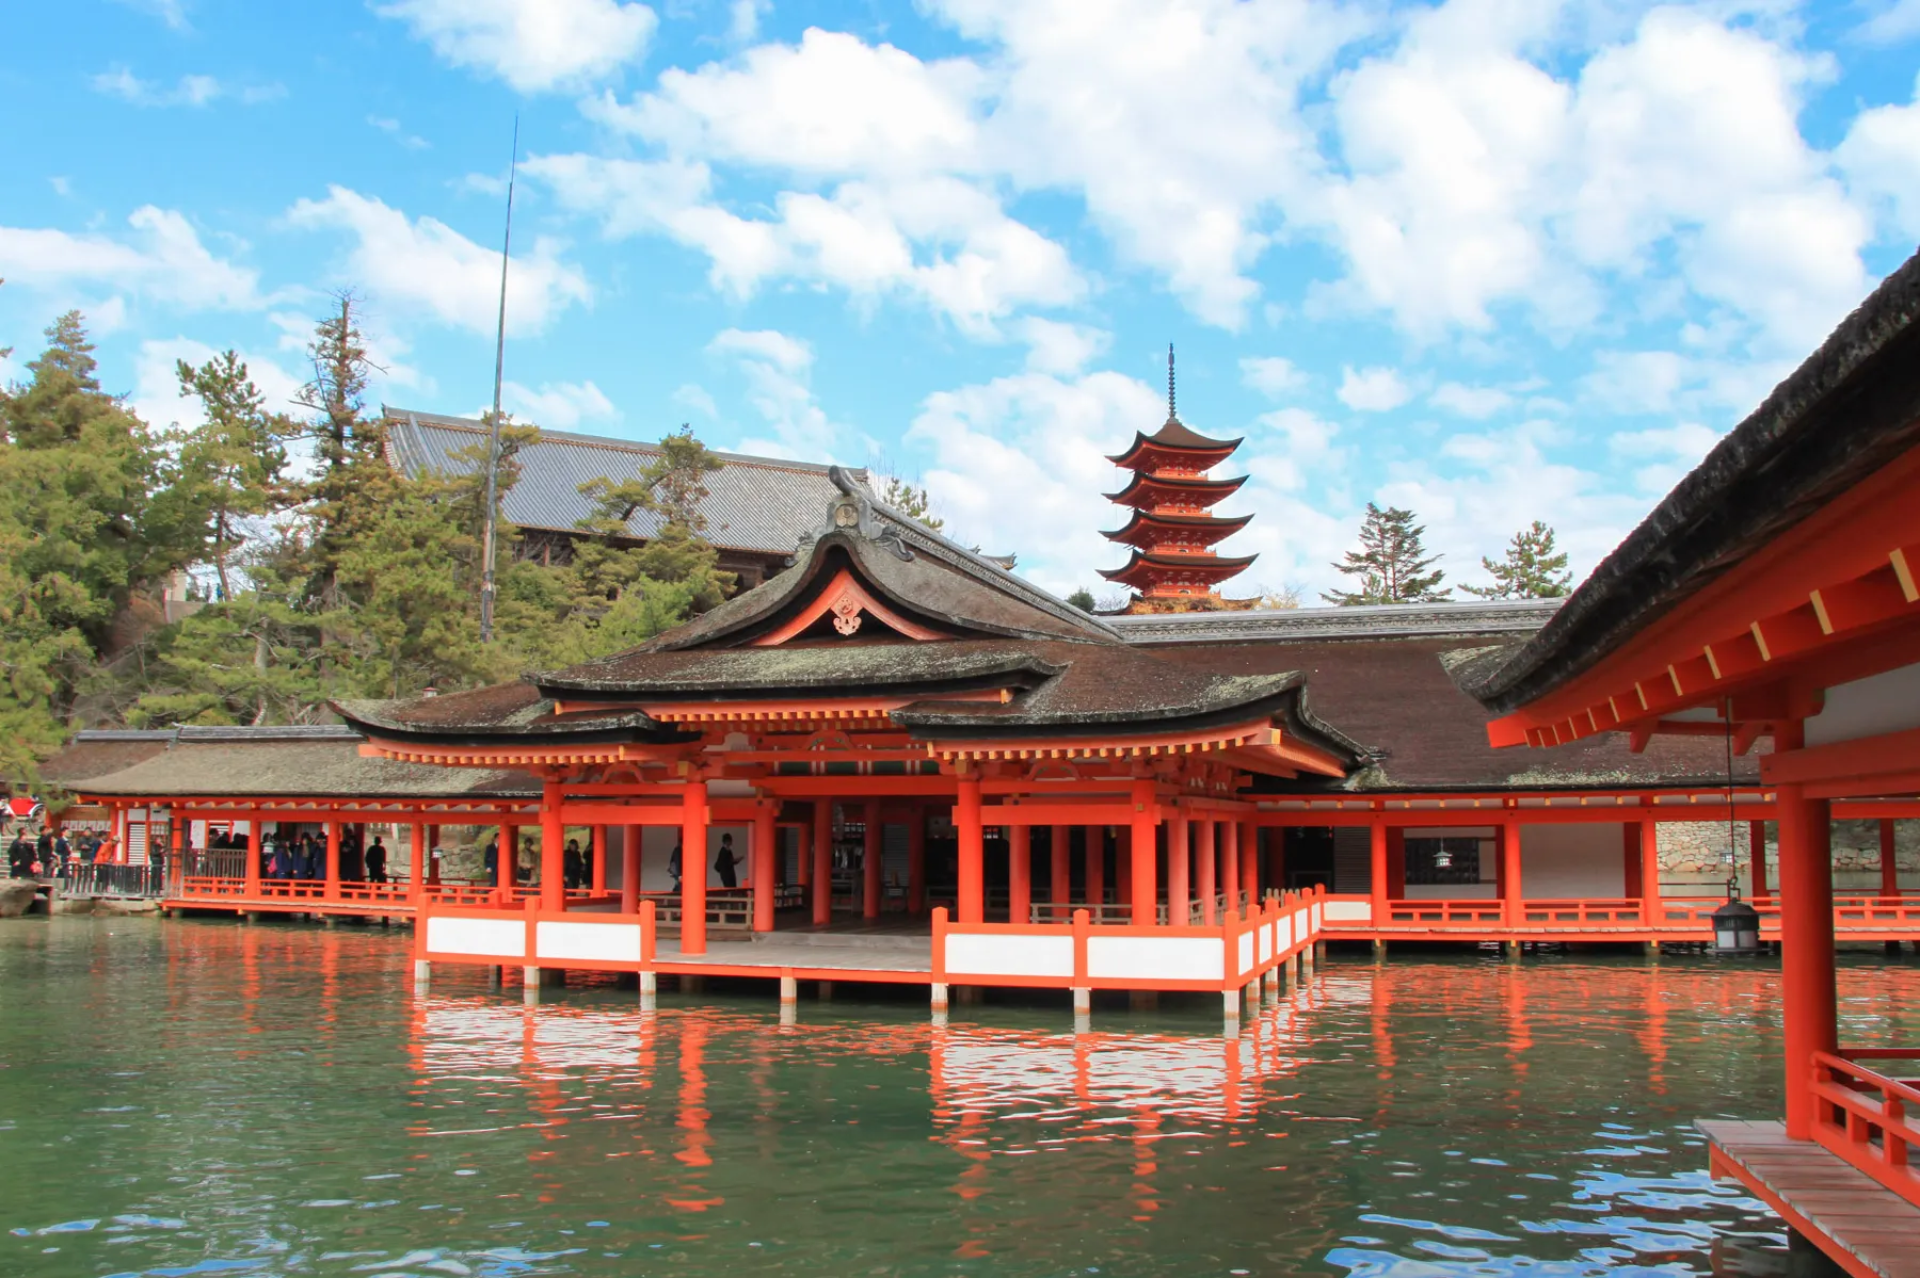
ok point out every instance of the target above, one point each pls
(1170, 412)
(493, 423)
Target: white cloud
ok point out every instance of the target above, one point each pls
(1059, 348)
(156, 396)
(1272, 375)
(172, 12)
(189, 90)
(777, 371)
(743, 22)
(937, 239)
(1662, 455)
(1372, 390)
(393, 129)
(1881, 158)
(1304, 456)
(557, 405)
(163, 259)
(694, 396)
(1470, 401)
(1897, 21)
(533, 45)
(427, 266)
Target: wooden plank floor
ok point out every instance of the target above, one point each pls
(1868, 1229)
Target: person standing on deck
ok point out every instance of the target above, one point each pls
(20, 857)
(490, 860)
(673, 866)
(724, 861)
(572, 865)
(377, 861)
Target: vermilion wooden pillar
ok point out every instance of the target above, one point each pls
(1650, 872)
(506, 859)
(1512, 893)
(1019, 874)
(1144, 891)
(693, 867)
(1060, 870)
(803, 855)
(872, 848)
(597, 878)
(553, 850)
(763, 852)
(1179, 856)
(916, 860)
(1249, 839)
(1208, 873)
(1757, 855)
(630, 845)
(1889, 865)
(1377, 868)
(1229, 836)
(822, 862)
(416, 862)
(973, 854)
(1093, 857)
(253, 858)
(1806, 937)
(333, 861)
(1397, 863)
(1630, 859)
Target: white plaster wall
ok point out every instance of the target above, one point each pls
(657, 843)
(1558, 862)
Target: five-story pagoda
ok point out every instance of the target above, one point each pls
(1171, 526)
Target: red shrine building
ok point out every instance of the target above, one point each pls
(1171, 527)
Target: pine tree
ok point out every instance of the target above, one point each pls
(347, 443)
(1082, 599)
(232, 467)
(1531, 568)
(910, 500)
(1392, 563)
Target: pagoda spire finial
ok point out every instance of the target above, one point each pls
(1171, 415)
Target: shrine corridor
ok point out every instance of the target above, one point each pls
(196, 1097)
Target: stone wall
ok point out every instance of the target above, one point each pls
(1693, 856)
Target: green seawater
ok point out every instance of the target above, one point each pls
(202, 1098)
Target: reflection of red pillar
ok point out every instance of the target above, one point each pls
(1806, 936)
(1889, 866)
(1179, 855)
(916, 860)
(1205, 870)
(761, 865)
(1146, 1165)
(972, 869)
(693, 867)
(1757, 855)
(870, 856)
(1143, 891)
(1060, 870)
(822, 862)
(1019, 874)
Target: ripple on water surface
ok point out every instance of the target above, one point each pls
(202, 1099)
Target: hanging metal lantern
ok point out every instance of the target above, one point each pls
(1443, 859)
(1736, 926)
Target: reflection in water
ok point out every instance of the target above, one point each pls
(202, 1098)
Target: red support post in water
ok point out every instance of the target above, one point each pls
(693, 867)
(1207, 867)
(822, 862)
(1019, 874)
(1060, 869)
(1179, 856)
(1757, 856)
(1808, 1001)
(761, 853)
(1144, 891)
(553, 850)
(1889, 866)
(972, 867)
(1377, 868)
(630, 868)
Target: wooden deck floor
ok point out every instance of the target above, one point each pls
(1868, 1230)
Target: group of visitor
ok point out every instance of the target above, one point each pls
(51, 853)
(303, 856)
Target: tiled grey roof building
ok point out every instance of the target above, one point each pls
(756, 509)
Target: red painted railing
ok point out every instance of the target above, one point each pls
(1869, 1118)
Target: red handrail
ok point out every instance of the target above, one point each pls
(1862, 1117)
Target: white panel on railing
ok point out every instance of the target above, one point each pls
(1266, 943)
(1171, 958)
(990, 955)
(1283, 934)
(1317, 907)
(494, 938)
(594, 942)
(1246, 952)
(1348, 911)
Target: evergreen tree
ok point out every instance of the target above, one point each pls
(1531, 569)
(347, 443)
(1082, 599)
(233, 467)
(1392, 564)
(910, 500)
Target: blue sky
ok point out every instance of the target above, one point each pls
(1496, 260)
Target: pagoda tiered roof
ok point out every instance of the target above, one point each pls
(1146, 490)
(1175, 446)
(1147, 528)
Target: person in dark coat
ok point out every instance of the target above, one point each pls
(20, 857)
(724, 860)
(673, 866)
(377, 861)
(573, 865)
(490, 860)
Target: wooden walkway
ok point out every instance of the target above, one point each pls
(1868, 1230)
